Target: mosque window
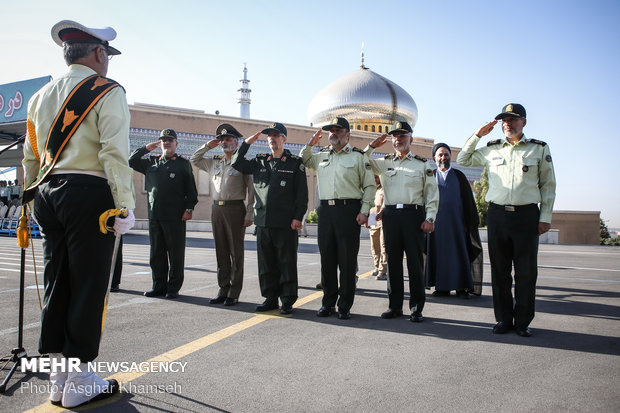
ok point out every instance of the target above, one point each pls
(358, 127)
(373, 128)
(366, 128)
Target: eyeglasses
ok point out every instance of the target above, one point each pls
(107, 52)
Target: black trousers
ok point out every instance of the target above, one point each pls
(167, 254)
(402, 233)
(513, 239)
(77, 263)
(277, 263)
(339, 243)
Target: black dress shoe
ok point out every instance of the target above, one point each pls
(172, 295)
(154, 293)
(416, 317)
(344, 315)
(230, 301)
(502, 328)
(390, 313)
(268, 305)
(115, 288)
(524, 332)
(286, 309)
(438, 293)
(462, 294)
(325, 311)
(217, 300)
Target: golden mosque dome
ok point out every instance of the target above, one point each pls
(366, 99)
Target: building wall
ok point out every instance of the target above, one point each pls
(577, 227)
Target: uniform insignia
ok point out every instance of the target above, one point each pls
(172, 174)
(358, 150)
(326, 149)
(548, 158)
(284, 159)
(508, 108)
(367, 166)
(282, 183)
(388, 156)
(346, 149)
(262, 155)
(494, 142)
(269, 158)
(302, 167)
(525, 168)
(429, 172)
(541, 143)
(218, 157)
(223, 132)
(419, 158)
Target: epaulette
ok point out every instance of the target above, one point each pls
(218, 157)
(389, 156)
(419, 158)
(325, 149)
(357, 150)
(495, 142)
(541, 143)
(262, 155)
(294, 156)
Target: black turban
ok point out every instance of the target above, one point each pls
(440, 145)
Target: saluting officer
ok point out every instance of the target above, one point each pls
(521, 176)
(411, 202)
(281, 200)
(347, 190)
(229, 215)
(172, 196)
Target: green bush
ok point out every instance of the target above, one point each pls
(313, 217)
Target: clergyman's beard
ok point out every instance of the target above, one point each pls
(444, 164)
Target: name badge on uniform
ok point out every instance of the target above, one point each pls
(172, 174)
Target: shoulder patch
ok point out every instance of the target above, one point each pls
(494, 142)
(358, 150)
(262, 155)
(419, 158)
(326, 149)
(541, 143)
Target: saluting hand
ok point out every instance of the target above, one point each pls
(380, 141)
(253, 138)
(316, 138)
(151, 146)
(486, 128)
(213, 143)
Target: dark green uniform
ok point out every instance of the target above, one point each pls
(171, 190)
(280, 196)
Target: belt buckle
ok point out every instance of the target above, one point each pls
(221, 202)
(509, 208)
(331, 202)
(399, 206)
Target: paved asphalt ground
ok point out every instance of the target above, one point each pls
(239, 361)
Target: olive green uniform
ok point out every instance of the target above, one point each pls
(280, 196)
(411, 195)
(171, 190)
(346, 188)
(521, 176)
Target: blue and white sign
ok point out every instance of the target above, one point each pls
(14, 98)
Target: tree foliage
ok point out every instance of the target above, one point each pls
(606, 238)
(481, 188)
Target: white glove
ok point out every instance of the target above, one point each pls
(123, 225)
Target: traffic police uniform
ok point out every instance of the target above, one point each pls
(346, 188)
(411, 196)
(229, 188)
(521, 176)
(171, 189)
(280, 195)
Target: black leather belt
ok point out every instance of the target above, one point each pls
(222, 203)
(404, 206)
(340, 201)
(511, 208)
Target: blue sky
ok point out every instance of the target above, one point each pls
(461, 62)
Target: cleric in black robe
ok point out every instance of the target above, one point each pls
(454, 260)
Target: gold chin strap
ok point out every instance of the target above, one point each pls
(103, 218)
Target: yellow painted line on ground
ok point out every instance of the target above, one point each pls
(185, 350)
